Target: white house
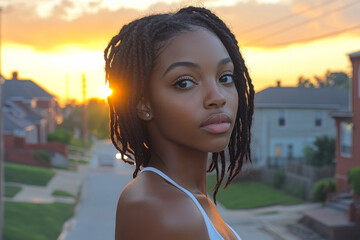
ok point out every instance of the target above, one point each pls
(286, 119)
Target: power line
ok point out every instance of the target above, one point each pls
(318, 37)
(285, 18)
(303, 22)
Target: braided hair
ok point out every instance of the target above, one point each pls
(129, 58)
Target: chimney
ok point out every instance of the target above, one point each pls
(15, 75)
(278, 83)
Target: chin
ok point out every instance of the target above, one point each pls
(218, 147)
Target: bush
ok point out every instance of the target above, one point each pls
(60, 135)
(297, 190)
(322, 153)
(42, 156)
(354, 179)
(279, 178)
(321, 188)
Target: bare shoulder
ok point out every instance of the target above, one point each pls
(150, 208)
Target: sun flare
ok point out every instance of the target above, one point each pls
(106, 91)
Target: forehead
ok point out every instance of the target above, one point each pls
(198, 45)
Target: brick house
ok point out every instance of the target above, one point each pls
(348, 130)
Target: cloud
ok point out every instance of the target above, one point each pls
(93, 26)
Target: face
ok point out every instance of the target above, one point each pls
(192, 99)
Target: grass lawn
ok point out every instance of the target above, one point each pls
(27, 174)
(27, 221)
(245, 195)
(11, 191)
(81, 161)
(61, 193)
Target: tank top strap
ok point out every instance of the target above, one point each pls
(210, 227)
(213, 233)
(163, 175)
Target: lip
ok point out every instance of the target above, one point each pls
(217, 123)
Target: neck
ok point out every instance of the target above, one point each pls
(185, 166)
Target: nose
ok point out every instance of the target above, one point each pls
(214, 98)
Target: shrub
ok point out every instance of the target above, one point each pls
(354, 178)
(322, 153)
(321, 188)
(42, 156)
(60, 135)
(279, 178)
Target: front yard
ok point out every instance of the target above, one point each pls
(246, 194)
(31, 221)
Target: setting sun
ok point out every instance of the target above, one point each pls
(106, 91)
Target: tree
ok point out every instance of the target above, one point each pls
(333, 79)
(304, 82)
(329, 79)
(322, 152)
(97, 120)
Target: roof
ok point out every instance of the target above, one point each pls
(29, 113)
(354, 54)
(330, 98)
(25, 89)
(12, 123)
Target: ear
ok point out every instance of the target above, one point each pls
(144, 110)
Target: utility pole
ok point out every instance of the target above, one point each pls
(1, 160)
(1, 147)
(67, 90)
(84, 111)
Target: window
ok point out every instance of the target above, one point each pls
(346, 139)
(318, 118)
(281, 121)
(278, 151)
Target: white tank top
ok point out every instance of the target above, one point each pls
(213, 233)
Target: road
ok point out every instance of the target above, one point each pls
(95, 215)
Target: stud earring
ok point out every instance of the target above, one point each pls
(147, 115)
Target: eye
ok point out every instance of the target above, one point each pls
(184, 83)
(226, 78)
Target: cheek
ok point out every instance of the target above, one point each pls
(172, 114)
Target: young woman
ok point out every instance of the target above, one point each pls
(181, 90)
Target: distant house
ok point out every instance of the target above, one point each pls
(30, 113)
(348, 130)
(286, 119)
(16, 124)
(33, 99)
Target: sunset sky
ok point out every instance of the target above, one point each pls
(48, 40)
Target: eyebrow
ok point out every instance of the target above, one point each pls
(193, 65)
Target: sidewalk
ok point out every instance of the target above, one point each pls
(272, 222)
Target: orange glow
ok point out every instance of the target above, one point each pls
(106, 91)
(48, 57)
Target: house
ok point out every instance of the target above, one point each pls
(15, 123)
(348, 130)
(32, 98)
(30, 113)
(286, 119)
